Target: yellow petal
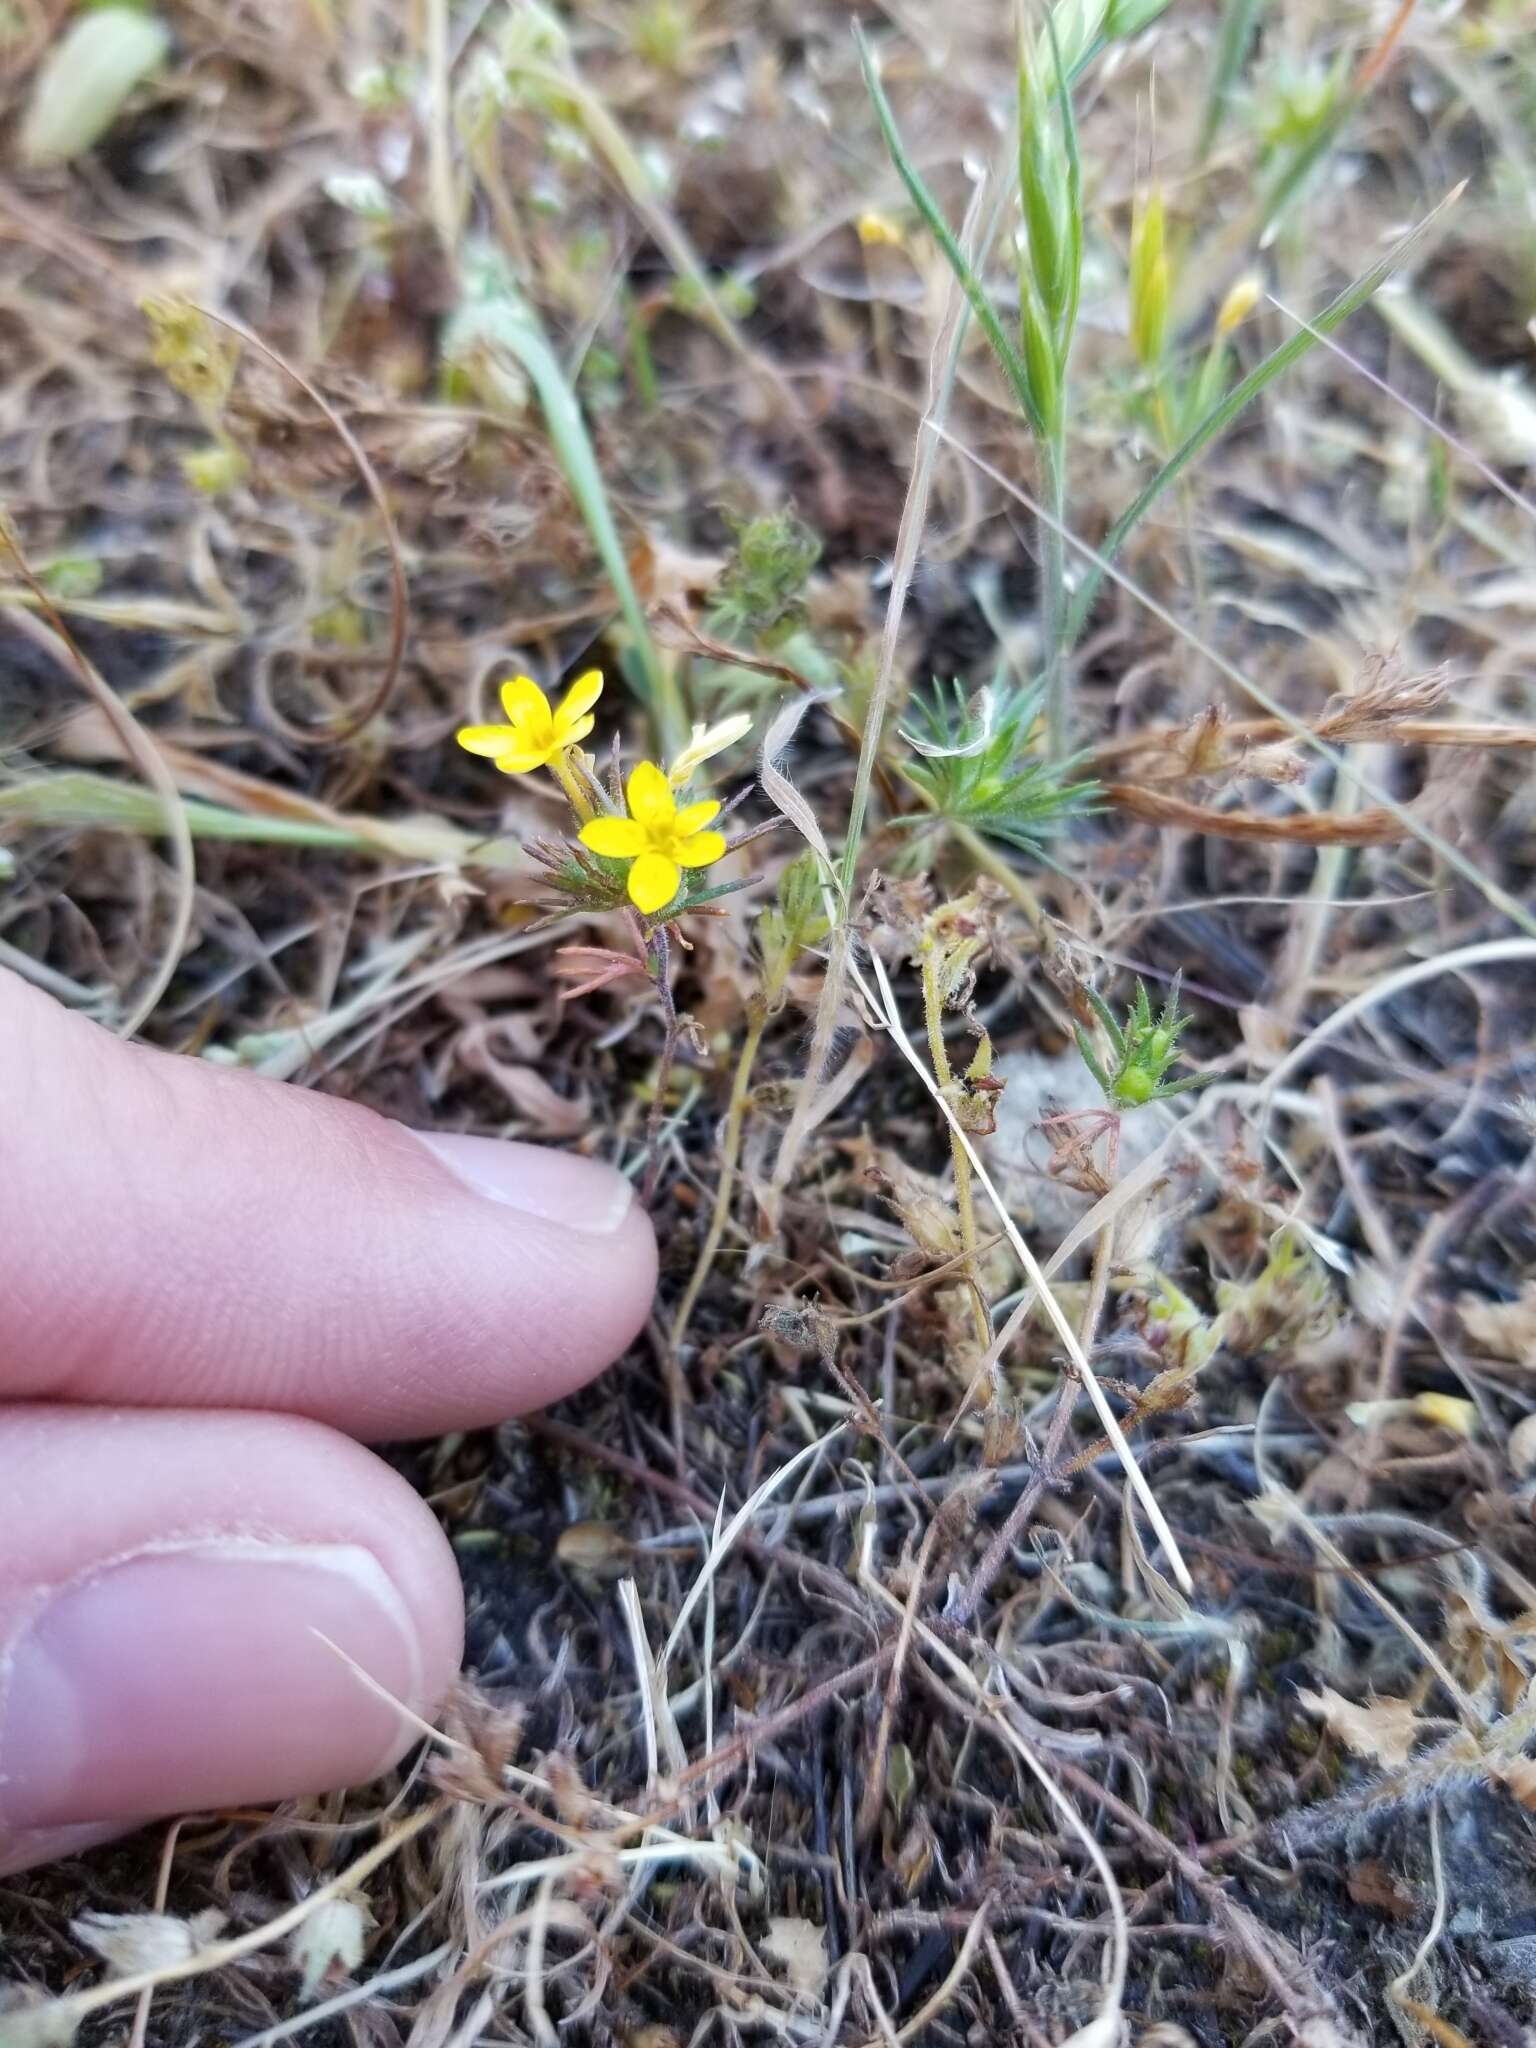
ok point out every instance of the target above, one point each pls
(1449, 1410)
(653, 881)
(694, 817)
(707, 741)
(699, 849)
(579, 699)
(568, 735)
(522, 760)
(650, 797)
(486, 739)
(527, 707)
(614, 838)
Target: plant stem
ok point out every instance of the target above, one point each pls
(1053, 595)
(442, 198)
(938, 1052)
(657, 953)
(730, 1151)
(1001, 871)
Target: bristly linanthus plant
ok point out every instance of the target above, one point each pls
(973, 765)
(1144, 1048)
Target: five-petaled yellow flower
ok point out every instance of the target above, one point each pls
(537, 734)
(657, 838)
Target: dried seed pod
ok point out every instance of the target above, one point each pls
(597, 1547)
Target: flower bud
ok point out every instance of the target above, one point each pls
(1238, 304)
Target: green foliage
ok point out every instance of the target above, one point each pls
(661, 32)
(1234, 38)
(72, 576)
(1144, 1048)
(494, 333)
(217, 468)
(197, 358)
(972, 763)
(761, 591)
(1222, 414)
(798, 919)
(1050, 198)
(1300, 118)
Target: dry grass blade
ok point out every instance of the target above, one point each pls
(57, 639)
(720, 1547)
(1517, 912)
(1307, 828)
(58, 2020)
(349, 727)
(1488, 953)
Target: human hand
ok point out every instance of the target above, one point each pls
(210, 1284)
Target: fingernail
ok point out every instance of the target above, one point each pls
(560, 1187)
(197, 1677)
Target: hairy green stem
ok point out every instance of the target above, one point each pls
(992, 863)
(1053, 598)
(730, 1152)
(943, 1073)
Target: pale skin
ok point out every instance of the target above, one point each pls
(214, 1290)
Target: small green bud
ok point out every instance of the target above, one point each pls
(198, 359)
(214, 470)
(72, 576)
(1043, 197)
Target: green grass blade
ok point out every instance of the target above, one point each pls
(1239, 21)
(970, 283)
(495, 313)
(1241, 395)
(82, 801)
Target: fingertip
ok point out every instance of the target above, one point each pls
(578, 1263)
(255, 1244)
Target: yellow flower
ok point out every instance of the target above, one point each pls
(876, 232)
(657, 838)
(707, 741)
(536, 734)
